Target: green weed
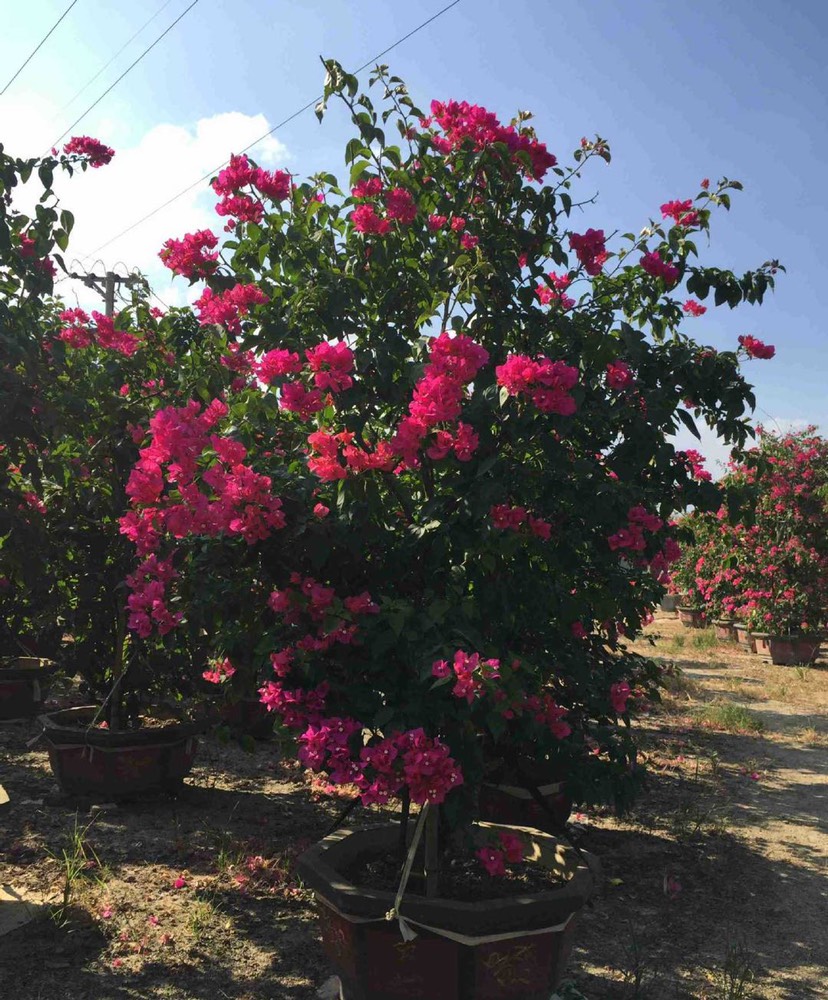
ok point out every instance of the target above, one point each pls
(730, 718)
(77, 860)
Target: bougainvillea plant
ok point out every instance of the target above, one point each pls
(440, 473)
(77, 388)
(763, 556)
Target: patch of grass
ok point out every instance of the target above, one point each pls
(678, 642)
(730, 718)
(741, 689)
(676, 682)
(202, 916)
(812, 737)
(705, 639)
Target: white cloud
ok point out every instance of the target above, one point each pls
(165, 160)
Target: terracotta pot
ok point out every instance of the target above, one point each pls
(249, 717)
(724, 630)
(744, 637)
(497, 948)
(117, 765)
(761, 643)
(24, 685)
(786, 650)
(691, 617)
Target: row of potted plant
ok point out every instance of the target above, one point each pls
(406, 469)
(762, 559)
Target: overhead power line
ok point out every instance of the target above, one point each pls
(261, 138)
(34, 51)
(131, 66)
(109, 62)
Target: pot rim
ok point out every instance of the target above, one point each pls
(318, 868)
(58, 729)
(37, 667)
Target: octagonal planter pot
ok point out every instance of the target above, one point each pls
(516, 805)
(761, 643)
(788, 650)
(496, 949)
(87, 760)
(24, 685)
(691, 617)
(248, 717)
(744, 637)
(724, 629)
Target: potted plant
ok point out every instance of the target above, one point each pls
(440, 474)
(87, 383)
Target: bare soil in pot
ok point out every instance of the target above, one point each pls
(461, 878)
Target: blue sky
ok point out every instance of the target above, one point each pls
(681, 91)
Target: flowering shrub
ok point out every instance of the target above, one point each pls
(421, 478)
(438, 476)
(78, 390)
(763, 556)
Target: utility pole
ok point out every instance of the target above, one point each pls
(105, 286)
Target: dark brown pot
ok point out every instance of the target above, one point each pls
(515, 805)
(24, 685)
(744, 637)
(117, 765)
(724, 630)
(691, 617)
(249, 717)
(497, 948)
(787, 650)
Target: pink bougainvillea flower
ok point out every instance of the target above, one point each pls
(321, 511)
(754, 348)
(95, 151)
(672, 886)
(193, 256)
(106, 912)
(619, 375)
(512, 846)
(681, 212)
(492, 860)
(180, 883)
(222, 671)
(590, 249)
(619, 695)
(658, 268)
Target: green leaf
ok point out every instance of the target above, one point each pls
(688, 422)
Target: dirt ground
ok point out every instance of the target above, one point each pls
(716, 887)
